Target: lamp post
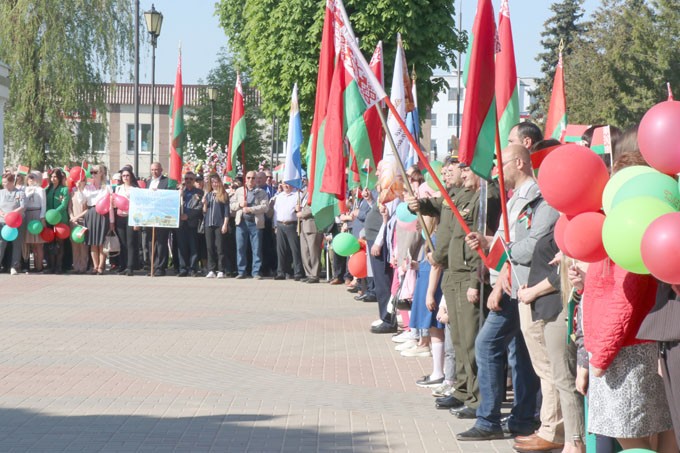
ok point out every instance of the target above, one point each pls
(154, 22)
(212, 95)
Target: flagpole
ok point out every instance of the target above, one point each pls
(504, 198)
(427, 166)
(402, 170)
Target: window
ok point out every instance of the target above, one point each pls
(434, 147)
(145, 139)
(453, 94)
(454, 119)
(434, 120)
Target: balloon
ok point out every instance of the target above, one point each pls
(47, 235)
(77, 174)
(78, 234)
(618, 179)
(658, 137)
(437, 168)
(62, 231)
(560, 228)
(655, 185)
(404, 214)
(661, 248)
(572, 179)
(53, 217)
(8, 233)
(357, 264)
(122, 203)
(35, 226)
(13, 219)
(583, 237)
(624, 227)
(344, 244)
(103, 206)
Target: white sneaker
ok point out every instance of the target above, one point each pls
(13, 271)
(418, 351)
(220, 275)
(406, 345)
(211, 274)
(377, 322)
(406, 335)
(442, 390)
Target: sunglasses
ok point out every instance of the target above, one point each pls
(94, 172)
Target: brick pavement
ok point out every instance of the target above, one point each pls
(121, 364)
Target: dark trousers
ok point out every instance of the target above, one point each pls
(129, 239)
(214, 240)
(382, 282)
(269, 248)
(187, 244)
(230, 248)
(288, 250)
(160, 248)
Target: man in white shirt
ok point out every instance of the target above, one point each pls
(287, 239)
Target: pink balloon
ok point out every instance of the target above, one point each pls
(122, 203)
(572, 179)
(103, 206)
(660, 248)
(583, 237)
(560, 228)
(658, 137)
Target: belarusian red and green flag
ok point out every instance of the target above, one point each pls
(498, 254)
(179, 133)
(557, 112)
(507, 97)
(237, 130)
(478, 133)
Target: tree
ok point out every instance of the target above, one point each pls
(59, 52)
(564, 26)
(223, 77)
(280, 42)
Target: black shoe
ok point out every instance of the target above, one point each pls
(297, 279)
(384, 328)
(312, 280)
(196, 274)
(475, 433)
(129, 273)
(370, 298)
(448, 402)
(240, 276)
(353, 289)
(426, 381)
(182, 274)
(465, 413)
(280, 277)
(361, 298)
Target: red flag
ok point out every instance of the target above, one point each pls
(507, 96)
(178, 140)
(557, 112)
(237, 131)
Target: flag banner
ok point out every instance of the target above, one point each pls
(498, 254)
(413, 123)
(538, 157)
(292, 173)
(23, 170)
(507, 94)
(557, 112)
(179, 134)
(478, 132)
(237, 130)
(572, 133)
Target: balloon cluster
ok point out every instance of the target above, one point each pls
(344, 244)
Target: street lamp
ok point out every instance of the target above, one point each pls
(212, 95)
(154, 21)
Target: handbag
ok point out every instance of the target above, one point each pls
(111, 244)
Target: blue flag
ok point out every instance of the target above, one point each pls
(413, 125)
(292, 169)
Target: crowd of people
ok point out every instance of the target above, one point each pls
(551, 328)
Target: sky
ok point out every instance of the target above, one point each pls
(194, 24)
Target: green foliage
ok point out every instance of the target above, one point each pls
(59, 52)
(280, 43)
(223, 77)
(618, 69)
(564, 26)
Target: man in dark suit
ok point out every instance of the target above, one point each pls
(160, 260)
(187, 233)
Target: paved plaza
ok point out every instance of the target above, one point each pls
(119, 364)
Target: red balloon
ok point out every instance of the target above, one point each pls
(103, 206)
(121, 202)
(13, 219)
(560, 228)
(658, 137)
(47, 234)
(660, 248)
(76, 174)
(357, 264)
(583, 237)
(572, 179)
(62, 231)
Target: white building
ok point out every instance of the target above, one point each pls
(4, 97)
(442, 123)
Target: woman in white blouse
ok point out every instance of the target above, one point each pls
(34, 204)
(96, 224)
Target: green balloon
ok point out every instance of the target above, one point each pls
(655, 185)
(437, 168)
(618, 180)
(624, 227)
(344, 244)
(35, 227)
(77, 235)
(53, 217)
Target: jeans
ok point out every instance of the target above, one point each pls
(501, 331)
(248, 231)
